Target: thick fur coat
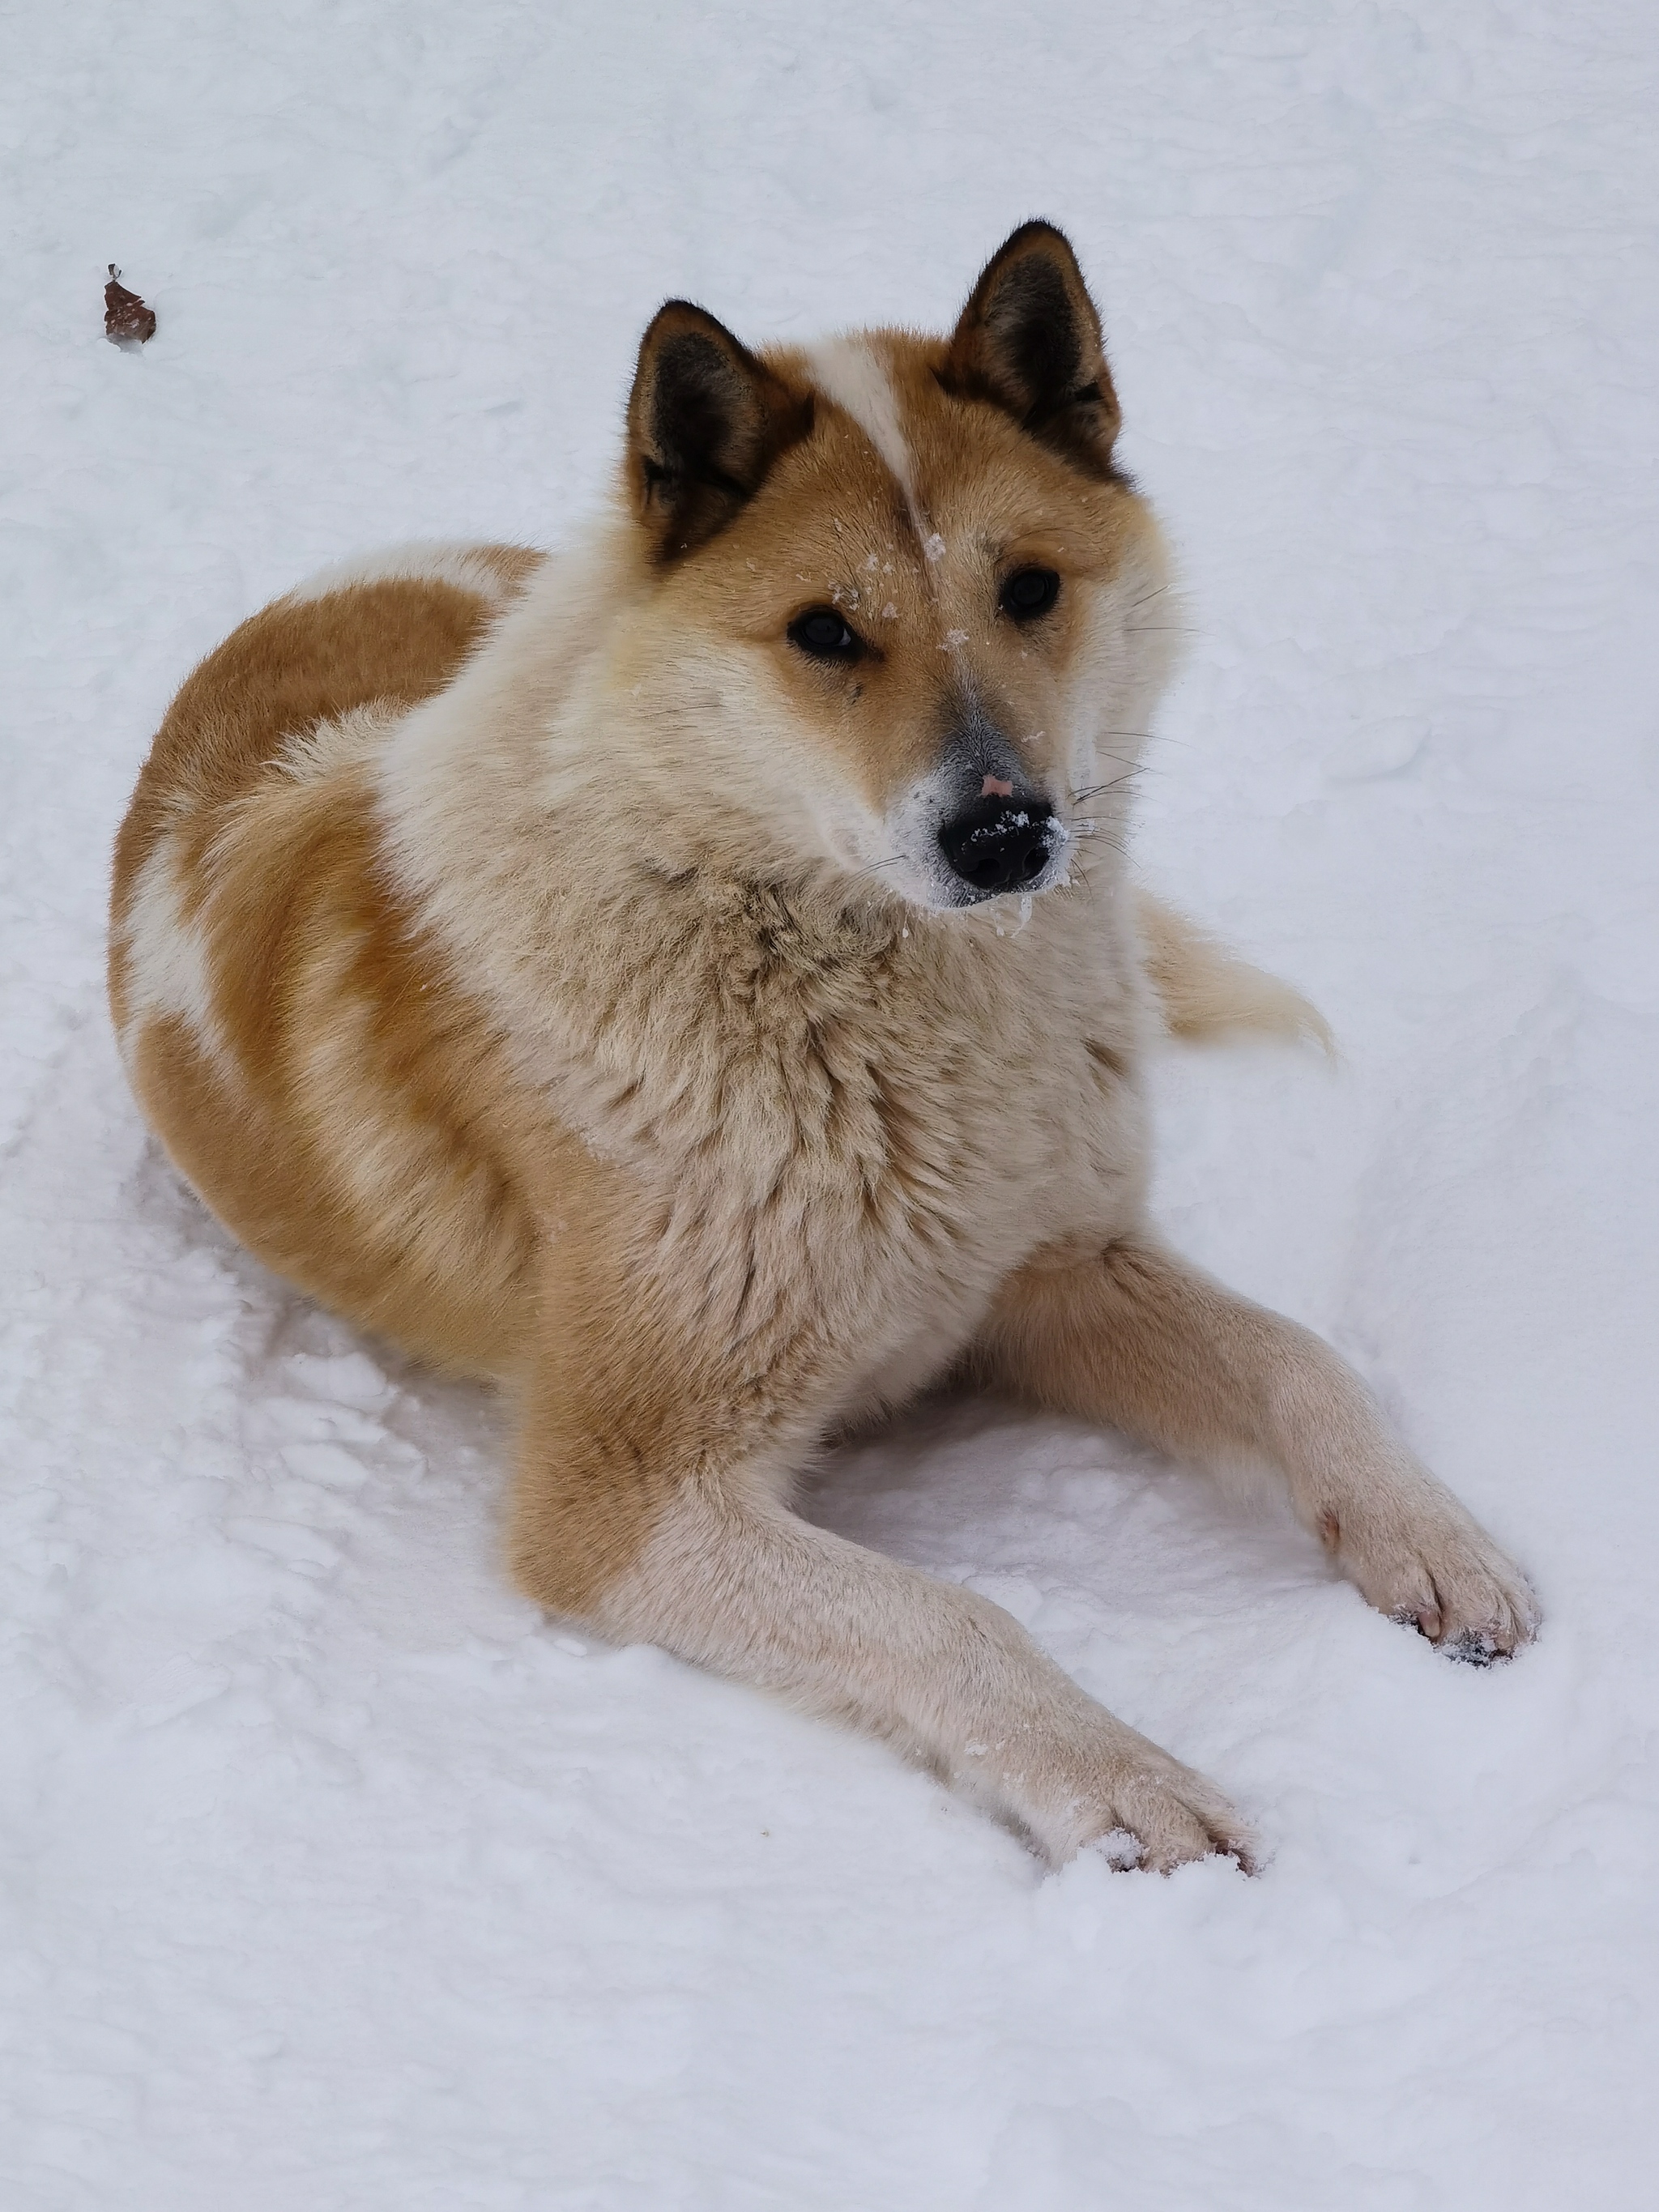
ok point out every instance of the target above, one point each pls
(691, 980)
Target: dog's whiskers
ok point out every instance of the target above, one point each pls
(892, 860)
(1111, 784)
(1083, 832)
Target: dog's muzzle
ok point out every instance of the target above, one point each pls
(1000, 844)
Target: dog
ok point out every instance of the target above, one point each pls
(692, 981)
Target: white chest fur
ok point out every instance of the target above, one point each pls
(846, 1121)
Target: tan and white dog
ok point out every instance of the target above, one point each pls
(691, 981)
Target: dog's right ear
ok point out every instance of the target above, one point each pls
(706, 421)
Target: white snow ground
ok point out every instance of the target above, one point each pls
(334, 1878)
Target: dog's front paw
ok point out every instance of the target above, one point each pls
(1174, 1816)
(1420, 1558)
(1142, 1808)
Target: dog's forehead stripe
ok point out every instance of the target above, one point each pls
(849, 372)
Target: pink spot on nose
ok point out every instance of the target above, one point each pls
(994, 787)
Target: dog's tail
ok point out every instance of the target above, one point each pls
(1204, 991)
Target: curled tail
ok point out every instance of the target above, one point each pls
(1204, 991)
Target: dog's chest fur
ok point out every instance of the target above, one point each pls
(844, 1122)
(845, 1129)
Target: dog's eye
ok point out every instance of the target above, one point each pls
(1029, 592)
(820, 632)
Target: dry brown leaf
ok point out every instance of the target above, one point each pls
(127, 320)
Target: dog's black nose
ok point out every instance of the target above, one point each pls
(1000, 844)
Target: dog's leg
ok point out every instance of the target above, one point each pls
(639, 1509)
(1134, 1337)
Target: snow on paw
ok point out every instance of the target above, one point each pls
(1147, 1810)
(1435, 1569)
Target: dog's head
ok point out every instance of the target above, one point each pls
(902, 607)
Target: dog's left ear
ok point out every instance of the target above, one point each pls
(706, 421)
(1028, 340)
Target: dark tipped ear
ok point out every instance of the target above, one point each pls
(1028, 340)
(706, 421)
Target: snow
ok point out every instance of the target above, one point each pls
(331, 1875)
